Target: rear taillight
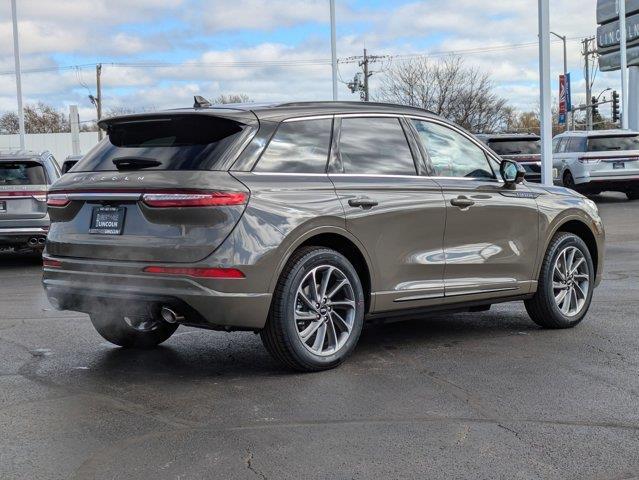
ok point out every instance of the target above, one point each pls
(591, 161)
(50, 263)
(57, 200)
(196, 272)
(179, 199)
(40, 196)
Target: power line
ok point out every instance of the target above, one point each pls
(276, 63)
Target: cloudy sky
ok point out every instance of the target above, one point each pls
(159, 53)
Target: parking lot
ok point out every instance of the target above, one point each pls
(481, 395)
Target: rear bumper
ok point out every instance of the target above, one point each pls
(20, 236)
(200, 304)
(620, 183)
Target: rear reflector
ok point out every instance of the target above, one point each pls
(57, 200)
(196, 272)
(589, 160)
(193, 199)
(50, 263)
(40, 196)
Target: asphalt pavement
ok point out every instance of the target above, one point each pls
(460, 396)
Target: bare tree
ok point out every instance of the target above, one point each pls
(40, 118)
(232, 98)
(465, 95)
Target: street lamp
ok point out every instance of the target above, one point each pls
(599, 96)
(564, 39)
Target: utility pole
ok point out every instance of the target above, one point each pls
(587, 51)
(98, 100)
(16, 56)
(357, 84)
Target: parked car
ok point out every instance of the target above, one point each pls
(24, 180)
(301, 220)
(596, 161)
(70, 162)
(523, 148)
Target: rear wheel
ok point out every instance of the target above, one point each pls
(317, 313)
(632, 194)
(565, 284)
(132, 331)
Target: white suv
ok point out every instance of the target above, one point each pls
(592, 162)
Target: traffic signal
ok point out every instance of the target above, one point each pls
(595, 107)
(616, 113)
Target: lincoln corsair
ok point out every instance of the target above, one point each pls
(301, 221)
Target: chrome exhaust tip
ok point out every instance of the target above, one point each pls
(169, 316)
(42, 241)
(33, 242)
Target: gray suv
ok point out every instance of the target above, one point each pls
(24, 181)
(300, 221)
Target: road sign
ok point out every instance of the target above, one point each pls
(609, 34)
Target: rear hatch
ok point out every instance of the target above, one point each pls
(612, 155)
(156, 189)
(23, 190)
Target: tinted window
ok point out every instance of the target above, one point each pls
(22, 173)
(375, 146)
(452, 154)
(574, 145)
(516, 147)
(189, 142)
(605, 144)
(298, 147)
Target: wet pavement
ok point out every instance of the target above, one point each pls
(481, 395)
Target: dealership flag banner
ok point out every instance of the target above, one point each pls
(565, 102)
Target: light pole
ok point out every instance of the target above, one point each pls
(544, 92)
(621, 5)
(333, 49)
(564, 40)
(16, 56)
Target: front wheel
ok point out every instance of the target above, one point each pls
(566, 284)
(132, 331)
(317, 313)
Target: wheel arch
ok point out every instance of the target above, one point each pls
(342, 242)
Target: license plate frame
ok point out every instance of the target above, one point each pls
(618, 165)
(107, 220)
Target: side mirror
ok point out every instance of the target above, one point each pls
(512, 172)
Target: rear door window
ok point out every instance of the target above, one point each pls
(22, 173)
(298, 147)
(370, 146)
(186, 142)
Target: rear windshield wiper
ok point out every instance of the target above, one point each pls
(135, 163)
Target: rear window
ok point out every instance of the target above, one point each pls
(22, 173)
(516, 147)
(612, 143)
(195, 142)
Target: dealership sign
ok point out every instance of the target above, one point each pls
(565, 102)
(609, 37)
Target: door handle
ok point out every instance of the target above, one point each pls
(462, 202)
(362, 202)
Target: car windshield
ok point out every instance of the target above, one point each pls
(613, 142)
(194, 142)
(516, 147)
(22, 173)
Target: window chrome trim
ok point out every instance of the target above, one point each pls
(308, 118)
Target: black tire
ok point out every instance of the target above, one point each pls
(280, 335)
(632, 194)
(543, 308)
(115, 329)
(569, 181)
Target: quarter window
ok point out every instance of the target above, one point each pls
(298, 147)
(375, 146)
(452, 154)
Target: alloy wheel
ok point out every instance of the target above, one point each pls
(324, 310)
(571, 281)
